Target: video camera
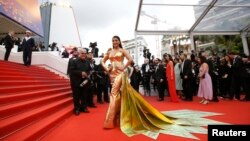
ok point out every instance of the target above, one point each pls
(92, 45)
(94, 49)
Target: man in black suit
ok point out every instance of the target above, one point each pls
(79, 71)
(102, 84)
(237, 72)
(74, 53)
(27, 45)
(9, 44)
(186, 75)
(93, 79)
(147, 71)
(160, 78)
(213, 72)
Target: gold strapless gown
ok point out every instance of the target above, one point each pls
(136, 116)
(127, 106)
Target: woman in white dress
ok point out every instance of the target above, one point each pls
(178, 80)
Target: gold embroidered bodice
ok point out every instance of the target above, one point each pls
(116, 60)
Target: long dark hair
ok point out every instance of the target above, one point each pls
(203, 59)
(117, 37)
(169, 56)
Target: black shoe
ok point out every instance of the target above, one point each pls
(160, 99)
(188, 99)
(92, 106)
(100, 102)
(245, 99)
(215, 100)
(77, 112)
(84, 110)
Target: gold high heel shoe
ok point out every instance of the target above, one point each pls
(202, 101)
(205, 102)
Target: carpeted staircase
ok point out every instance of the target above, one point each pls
(33, 101)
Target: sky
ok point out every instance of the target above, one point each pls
(99, 20)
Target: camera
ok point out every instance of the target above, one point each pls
(92, 45)
(84, 83)
(94, 49)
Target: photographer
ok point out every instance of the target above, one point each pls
(94, 49)
(102, 80)
(93, 81)
(79, 72)
(146, 53)
(54, 47)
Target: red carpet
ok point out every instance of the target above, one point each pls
(89, 126)
(36, 104)
(33, 100)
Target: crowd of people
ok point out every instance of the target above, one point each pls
(210, 77)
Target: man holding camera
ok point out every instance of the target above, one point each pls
(79, 71)
(93, 81)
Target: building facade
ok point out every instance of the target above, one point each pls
(135, 49)
(174, 44)
(54, 30)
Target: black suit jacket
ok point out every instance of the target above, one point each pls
(78, 66)
(95, 51)
(237, 66)
(70, 63)
(160, 73)
(150, 71)
(187, 69)
(102, 77)
(223, 70)
(27, 45)
(9, 42)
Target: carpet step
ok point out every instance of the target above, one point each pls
(18, 107)
(29, 78)
(14, 64)
(27, 70)
(2, 73)
(31, 82)
(10, 125)
(9, 63)
(43, 126)
(20, 96)
(11, 89)
(23, 69)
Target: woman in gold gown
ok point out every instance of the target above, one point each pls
(126, 106)
(135, 115)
